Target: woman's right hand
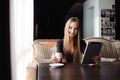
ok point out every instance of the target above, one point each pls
(54, 59)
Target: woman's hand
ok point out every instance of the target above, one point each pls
(54, 59)
(96, 59)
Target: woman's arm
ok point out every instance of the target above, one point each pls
(59, 45)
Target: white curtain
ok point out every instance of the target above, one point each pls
(21, 36)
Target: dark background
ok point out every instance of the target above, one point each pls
(5, 66)
(117, 27)
(50, 17)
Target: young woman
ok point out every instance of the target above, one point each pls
(72, 46)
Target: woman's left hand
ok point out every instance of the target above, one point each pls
(96, 59)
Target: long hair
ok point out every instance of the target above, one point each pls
(72, 45)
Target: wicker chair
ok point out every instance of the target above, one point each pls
(43, 49)
(116, 44)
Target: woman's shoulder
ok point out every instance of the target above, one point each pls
(60, 41)
(83, 45)
(82, 41)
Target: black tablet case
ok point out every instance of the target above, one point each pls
(91, 50)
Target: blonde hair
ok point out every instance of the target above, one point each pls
(75, 43)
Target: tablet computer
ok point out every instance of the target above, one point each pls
(91, 50)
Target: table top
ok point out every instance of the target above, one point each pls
(70, 71)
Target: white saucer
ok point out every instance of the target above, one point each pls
(55, 65)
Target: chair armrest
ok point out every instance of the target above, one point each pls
(31, 71)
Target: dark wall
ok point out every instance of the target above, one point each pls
(117, 7)
(50, 17)
(5, 70)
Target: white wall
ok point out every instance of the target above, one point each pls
(21, 36)
(91, 18)
(106, 4)
(91, 22)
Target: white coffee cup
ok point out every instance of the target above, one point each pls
(58, 55)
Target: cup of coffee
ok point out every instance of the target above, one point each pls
(58, 56)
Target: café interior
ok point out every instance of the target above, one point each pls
(25, 21)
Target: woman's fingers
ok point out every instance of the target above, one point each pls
(54, 59)
(96, 59)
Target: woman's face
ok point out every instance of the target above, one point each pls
(73, 29)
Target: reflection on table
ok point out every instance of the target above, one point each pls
(104, 71)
